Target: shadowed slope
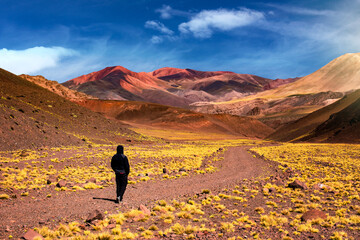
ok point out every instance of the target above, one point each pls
(302, 128)
(343, 126)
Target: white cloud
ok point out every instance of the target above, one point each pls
(167, 12)
(203, 24)
(32, 60)
(156, 39)
(336, 29)
(159, 27)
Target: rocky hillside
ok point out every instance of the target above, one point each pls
(32, 116)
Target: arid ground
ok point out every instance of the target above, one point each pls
(203, 189)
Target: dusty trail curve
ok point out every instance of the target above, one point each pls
(22, 214)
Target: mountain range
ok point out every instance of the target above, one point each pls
(169, 86)
(278, 103)
(320, 107)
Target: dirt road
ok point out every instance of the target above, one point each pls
(22, 214)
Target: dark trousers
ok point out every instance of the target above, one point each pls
(121, 183)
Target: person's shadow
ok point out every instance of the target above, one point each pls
(105, 199)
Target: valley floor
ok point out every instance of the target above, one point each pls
(237, 165)
(190, 189)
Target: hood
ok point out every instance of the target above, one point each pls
(120, 149)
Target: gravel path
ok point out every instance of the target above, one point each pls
(22, 214)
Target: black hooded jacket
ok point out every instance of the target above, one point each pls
(119, 162)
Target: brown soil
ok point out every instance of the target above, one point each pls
(19, 215)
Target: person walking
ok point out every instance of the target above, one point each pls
(121, 167)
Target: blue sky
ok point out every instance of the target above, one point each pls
(63, 39)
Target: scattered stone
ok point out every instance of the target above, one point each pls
(93, 180)
(266, 190)
(200, 234)
(164, 170)
(145, 210)
(272, 189)
(61, 183)
(31, 234)
(7, 229)
(182, 169)
(24, 153)
(313, 214)
(141, 175)
(95, 215)
(289, 172)
(41, 222)
(111, 226)
(297, 184)
(51, 179)
(320, 186)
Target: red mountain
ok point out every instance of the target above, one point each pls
(168, 86)
(213, 82)
(119, 83)
(168, 73)
(117, 75)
